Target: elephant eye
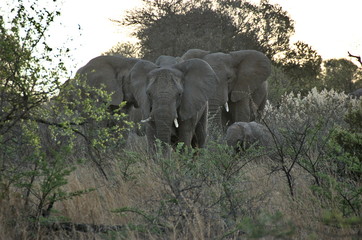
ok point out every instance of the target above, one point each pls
(229, 79)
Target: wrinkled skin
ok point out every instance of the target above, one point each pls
(178, 91)
(241, 135)
(244, 74)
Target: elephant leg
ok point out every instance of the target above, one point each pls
(185, 132)
(200, 136)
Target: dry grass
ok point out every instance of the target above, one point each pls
(263, 192)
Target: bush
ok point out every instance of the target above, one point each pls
(43, 141)
(321, 134)
(203, 193)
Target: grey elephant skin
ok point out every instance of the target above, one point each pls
(174, 99)
(243, 75)
(111, 72)
(165, 60)
(242, 135)
(356, 94)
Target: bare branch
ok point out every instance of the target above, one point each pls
(355, 56)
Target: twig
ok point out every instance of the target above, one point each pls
(355, 56)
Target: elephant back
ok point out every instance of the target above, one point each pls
(164, 61)
(194, 53)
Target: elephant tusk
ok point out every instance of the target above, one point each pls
(146, 120)
(175, 122)
(226, 107)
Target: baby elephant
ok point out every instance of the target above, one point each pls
(242, 135)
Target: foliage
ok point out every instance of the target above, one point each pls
(264, 27)
(42, 141)
(313, 133)
(209, 25)
(278, 85)
(346, 154)
(340, 75)
(303, 65)
(199, 189)
(26, 81)
(301, 127)
(126, 49)
(196, 193)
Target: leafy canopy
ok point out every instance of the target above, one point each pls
(171, 27)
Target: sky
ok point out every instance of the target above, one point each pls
(332, 27)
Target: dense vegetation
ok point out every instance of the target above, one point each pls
(73, 170)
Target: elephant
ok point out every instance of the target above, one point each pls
(173, 100)
(243, 75)
(165, 60)
(111, 72)
(242, 135)
(356, 94)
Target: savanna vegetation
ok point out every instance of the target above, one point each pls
(75, 170)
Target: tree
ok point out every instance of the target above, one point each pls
(171, 27)
(175, 29)
(126, 49)
(264, 27)
(358, 58)
(303, 65)
(339, 75)
(41, 139)
(25, 78)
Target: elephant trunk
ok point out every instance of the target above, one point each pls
(240, 111)
(164, 128)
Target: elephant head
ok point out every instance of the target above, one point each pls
(109, 72)
(174, 99)
(244, 74)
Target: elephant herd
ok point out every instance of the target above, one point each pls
(177, 98)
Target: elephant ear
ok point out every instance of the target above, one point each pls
(100, 71)
(138, 84)
(199, 81)
(252, 69)
(123, 67)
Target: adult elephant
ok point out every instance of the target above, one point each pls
(174, 99)
(109, 72)
(244, 74)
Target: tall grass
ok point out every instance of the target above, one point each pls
(210, 193)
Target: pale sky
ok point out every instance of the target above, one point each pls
(332, 27)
